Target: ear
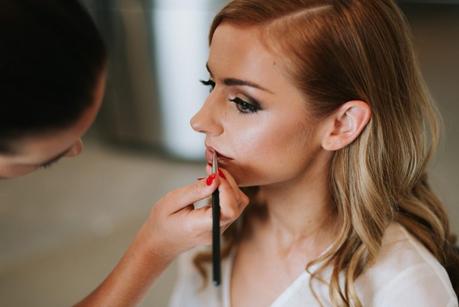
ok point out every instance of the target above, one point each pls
(345, 125)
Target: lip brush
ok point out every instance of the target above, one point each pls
(216, 265)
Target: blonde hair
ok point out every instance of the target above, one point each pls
(336, 51)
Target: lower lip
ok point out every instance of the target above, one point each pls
(209, 156)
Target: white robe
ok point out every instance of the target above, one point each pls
(405, 274)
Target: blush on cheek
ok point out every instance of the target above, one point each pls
(267, 169)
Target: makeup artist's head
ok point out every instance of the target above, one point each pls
(52, 80)
(306, 89)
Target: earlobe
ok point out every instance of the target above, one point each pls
(346, 124)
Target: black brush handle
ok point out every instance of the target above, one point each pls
(216, 264)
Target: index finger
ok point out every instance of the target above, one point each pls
(187, 195)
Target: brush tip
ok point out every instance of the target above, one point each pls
(214, 163)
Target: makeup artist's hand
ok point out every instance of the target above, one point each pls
(174, 226)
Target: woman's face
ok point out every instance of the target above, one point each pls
(265, 127)
(34, 152)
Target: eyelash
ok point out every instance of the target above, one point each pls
(48, 165)
(242, 106)
(208, 83)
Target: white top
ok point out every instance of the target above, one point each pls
(405, 274)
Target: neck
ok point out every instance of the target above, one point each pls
(299, 212)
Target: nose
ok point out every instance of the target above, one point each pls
(76, 149)
(206, 120)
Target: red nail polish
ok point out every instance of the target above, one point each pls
(221, 174)
(211, 179)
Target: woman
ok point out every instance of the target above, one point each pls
(323, 116)
(52, 79)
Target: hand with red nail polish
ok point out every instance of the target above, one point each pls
(176, 226)
(173, 227)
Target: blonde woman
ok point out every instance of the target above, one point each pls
(319, 113)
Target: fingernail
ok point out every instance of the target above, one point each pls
(221, 174)
(211, 179)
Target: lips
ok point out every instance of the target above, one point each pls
(210, 152)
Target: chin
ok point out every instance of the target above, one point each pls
(246, 179)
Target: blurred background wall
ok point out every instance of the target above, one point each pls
(62, 230)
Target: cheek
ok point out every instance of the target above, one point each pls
(270, 151)
(10, 170)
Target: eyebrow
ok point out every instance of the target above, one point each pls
(238, 82)
(57, 157)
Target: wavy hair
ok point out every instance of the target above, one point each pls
(337, 51)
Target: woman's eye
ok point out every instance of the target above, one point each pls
(244, 106)
(209, 83)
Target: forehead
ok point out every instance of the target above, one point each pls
(238, 50)
(38, 148)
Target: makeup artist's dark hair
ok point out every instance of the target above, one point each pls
(51, 57)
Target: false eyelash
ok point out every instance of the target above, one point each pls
(48, 165)
(240, 104)
(208, 83)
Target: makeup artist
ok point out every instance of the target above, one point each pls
(52, 79)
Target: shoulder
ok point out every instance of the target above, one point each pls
(405, 274)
